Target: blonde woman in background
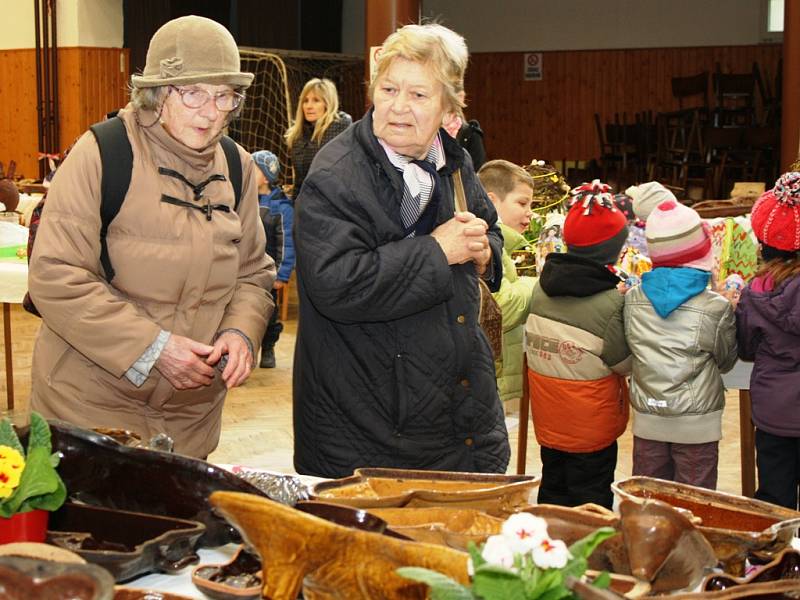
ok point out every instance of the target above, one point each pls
(318, 120)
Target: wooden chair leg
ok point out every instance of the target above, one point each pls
(524, 408)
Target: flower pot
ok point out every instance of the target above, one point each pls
(29, 526)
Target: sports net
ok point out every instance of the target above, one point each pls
(271, 100)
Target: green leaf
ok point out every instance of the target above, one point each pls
(496, 583)
(442, 586)
(39, 436)
(475, 554)
(584, 547)
(38, 478)
(8, 437)
(602, 581)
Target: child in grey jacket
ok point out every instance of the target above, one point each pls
(682, 337)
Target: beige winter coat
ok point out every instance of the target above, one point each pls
(175, 270)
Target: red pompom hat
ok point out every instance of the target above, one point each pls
(595, 228)
(776, 214)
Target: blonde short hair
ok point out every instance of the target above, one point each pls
(500, 177)
(433, 45)
(326, 90)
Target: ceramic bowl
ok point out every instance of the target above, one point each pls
(34, 579)
(734, 525)
(785, 566)
(128, 544)
(498, 495)
(238, 579)
(98, 470)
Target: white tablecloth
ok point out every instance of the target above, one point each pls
(181, 583)
(13, 281)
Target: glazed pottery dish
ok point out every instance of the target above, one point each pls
(128, 544)
(98, 470)
(736, 526)
(664, 547)
(300, 551)
(125, 593)
(785, 566)
(498, 495)
(33, 579)
(239, 579)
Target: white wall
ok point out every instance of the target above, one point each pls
(92, 23)
(527, 25)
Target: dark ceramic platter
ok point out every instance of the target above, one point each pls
(33, 579)
(99, 471)
(127, 544)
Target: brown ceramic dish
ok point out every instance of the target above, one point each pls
(238, 579)
(785, 566)
(772, 590)
(664, 547)
(328, 561)
(32, 579)
(498, 495)
(453, 527)
(736, 526)
(99, 471)
(128, 544)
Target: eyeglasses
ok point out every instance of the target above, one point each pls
(197, 98)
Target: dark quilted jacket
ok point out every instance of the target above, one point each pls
(391, 368)
(304, 149)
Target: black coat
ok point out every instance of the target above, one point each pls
(391, 368)
(305, 149)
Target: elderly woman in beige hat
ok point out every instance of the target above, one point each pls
(391, 366)
(153, 344)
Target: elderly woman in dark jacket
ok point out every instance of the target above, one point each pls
(391, 366)
(317, 122)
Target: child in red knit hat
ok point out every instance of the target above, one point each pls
(577, 355)
(768, 332)
(682, 336)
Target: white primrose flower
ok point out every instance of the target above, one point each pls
(551, 554)
(524, 531)
(497, 552)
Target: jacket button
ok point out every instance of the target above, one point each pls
(468, 442)
(465, 383)
(461, 319)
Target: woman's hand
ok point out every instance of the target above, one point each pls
(183, 363)
(463, 238)
(240, 363)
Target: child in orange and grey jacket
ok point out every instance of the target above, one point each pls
(577, 354)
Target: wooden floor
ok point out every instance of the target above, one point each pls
(257, 421)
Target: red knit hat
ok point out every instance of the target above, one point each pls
(595, 228)
(776, 214)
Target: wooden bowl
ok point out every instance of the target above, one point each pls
(734, 525)
(498, 495)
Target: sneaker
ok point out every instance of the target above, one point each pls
(267, 359)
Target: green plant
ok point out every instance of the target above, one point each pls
(522, 563)
(28, 480)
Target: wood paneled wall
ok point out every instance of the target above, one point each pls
(91, 82)
(553, 119)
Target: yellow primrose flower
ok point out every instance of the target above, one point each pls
(12, 463)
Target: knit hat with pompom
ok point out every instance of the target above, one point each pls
(776, 215)
(678, 237)
(595, 228)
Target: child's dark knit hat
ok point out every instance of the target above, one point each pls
(269, 165)
(595, 228)
(776, 216)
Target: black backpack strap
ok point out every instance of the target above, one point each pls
(234, 168)
(116, 160)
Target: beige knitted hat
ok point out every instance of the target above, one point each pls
(192, 50)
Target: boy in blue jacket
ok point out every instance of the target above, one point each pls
(277, 215)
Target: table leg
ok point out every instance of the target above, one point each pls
(7, 346)
(747, 445)
(524, 407)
